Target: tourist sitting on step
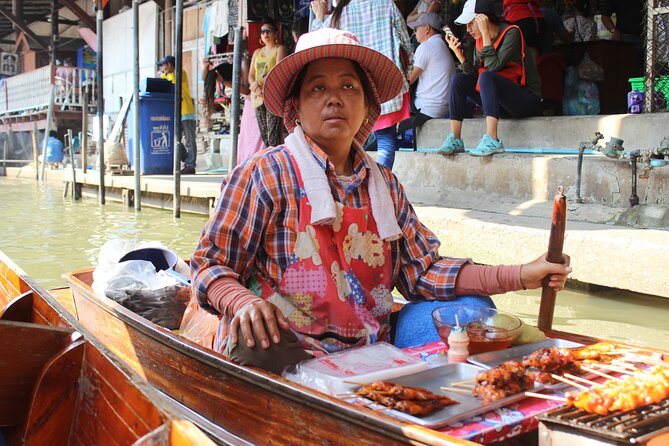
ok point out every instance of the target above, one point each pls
(54, 151)
(433, 68)
(502, 78)
(309, 238)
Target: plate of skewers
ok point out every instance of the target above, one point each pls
(631, 381)
(449, 393)
(442, 395)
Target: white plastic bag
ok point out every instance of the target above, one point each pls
(136, 285)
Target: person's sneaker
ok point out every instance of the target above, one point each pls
(452, 145)
(188, 170)
(488, 146)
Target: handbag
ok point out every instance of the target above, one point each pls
(590, 70)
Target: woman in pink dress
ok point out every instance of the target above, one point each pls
(250, 140)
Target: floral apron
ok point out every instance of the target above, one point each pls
(335, 292)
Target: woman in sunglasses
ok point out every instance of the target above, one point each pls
(264, 59)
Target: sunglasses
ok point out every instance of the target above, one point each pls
(266, 30)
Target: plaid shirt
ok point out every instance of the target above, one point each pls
(255, 226)
(379, 25)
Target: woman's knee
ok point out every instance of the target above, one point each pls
(487, 80)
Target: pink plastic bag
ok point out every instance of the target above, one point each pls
(199, 325)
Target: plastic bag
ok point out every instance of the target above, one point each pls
(199, 325)
(337, 372)
(135, 284)
(589, 70)
(580, 97)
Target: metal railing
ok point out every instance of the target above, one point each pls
(31, 91)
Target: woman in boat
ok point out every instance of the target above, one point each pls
(309, 238)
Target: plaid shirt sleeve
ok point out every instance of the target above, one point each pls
(233, 235)
(423, 273)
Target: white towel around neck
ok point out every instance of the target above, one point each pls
(319, 194)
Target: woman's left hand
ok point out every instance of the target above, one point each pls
(532, 274)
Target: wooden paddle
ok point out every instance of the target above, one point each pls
(554, 255)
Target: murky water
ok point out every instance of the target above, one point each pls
(48, 235)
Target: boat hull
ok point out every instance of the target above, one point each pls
(259, 406)
(70, 389)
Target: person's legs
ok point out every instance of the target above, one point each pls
(274, 129)
(462, 86)
(414, 323)
(189, 132)
(288, 352)
(497, 93)
(386, 144)
(261, 116)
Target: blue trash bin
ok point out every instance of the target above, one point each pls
(156, 121)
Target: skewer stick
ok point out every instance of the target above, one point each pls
(622, 351)
(626, 365)
(567, 381)
(647, 360)
(602, 374)
(458, 383)
(546, 397)
(355, 383)
(465, 385)
(579, 379)
(609, 367)
(453, 389)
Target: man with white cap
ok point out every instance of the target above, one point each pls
(433, 68)
(502, 78)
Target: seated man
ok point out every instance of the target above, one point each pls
(433, 68)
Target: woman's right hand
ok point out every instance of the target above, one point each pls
(253, 318)
(319, 7)
(254, 87)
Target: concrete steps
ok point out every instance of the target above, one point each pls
(642, 131)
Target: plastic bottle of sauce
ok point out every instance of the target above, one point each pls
(458, 343)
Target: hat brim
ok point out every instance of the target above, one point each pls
(414, 24)
(465, 18)
(386, 78)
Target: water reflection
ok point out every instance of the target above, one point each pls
(48, 235)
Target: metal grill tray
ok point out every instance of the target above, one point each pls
(442, 376)
(489, 360)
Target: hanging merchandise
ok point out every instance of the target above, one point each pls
(219, 18)
(285, 10)
(257, 9)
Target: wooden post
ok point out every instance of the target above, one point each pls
(84, 130)
(135, 98)
(35, 132)
(236, 95)
(75, 196)
(554, 255)
(177, 109)
(47, 128)
(3, 167)
(99, 14)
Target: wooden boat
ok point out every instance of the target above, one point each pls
(256, 405)
(61, 386)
